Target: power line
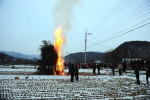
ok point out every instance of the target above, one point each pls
(112, 6)
(78, 45)
(128, 15)
(112, 14)
(126, 29)
(107, 16)
(119, 35)
(120, 25)
(115, 10)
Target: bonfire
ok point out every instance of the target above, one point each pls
(59, 40)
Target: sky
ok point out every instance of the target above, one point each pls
(24, 24)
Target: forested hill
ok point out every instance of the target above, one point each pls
(135, 44)
(9, 60)
(127, 49)
(131, 49)
(80, 57)
(134, 49)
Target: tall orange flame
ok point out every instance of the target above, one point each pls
(59, 40)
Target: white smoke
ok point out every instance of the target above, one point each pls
(63, 14)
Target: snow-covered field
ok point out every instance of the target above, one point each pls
(55, 87)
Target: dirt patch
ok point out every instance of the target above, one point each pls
(88, 73)
(34, 73)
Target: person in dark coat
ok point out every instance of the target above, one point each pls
(65, 65)
(137, 74)
(142, 64)
(132, 64)
(76, 72)
(94, 68)
(71, 71)
(147, 73)
(147, 70)
(124, 66)
(98, 68)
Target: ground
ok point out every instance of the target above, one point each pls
(55, 87)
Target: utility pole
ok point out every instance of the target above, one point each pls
(66, 56)
(86, 41)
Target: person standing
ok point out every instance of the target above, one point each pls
(76, 72)
(94, 68)
(147, 73)
(124, 64)
(120, 68)
(71, 71)
(142, 64)
(147, 70)
(137, 74)
(65, 65)
(98, 68)
(112, 66)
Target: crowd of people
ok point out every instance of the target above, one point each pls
(135, 65)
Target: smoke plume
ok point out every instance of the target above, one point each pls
(63, 14)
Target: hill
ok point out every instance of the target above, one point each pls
(10, 60)
(19, 55)
(80, 57)
(131, 49)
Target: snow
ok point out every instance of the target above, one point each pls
(16, 66)
(89, 87)
(17, 70)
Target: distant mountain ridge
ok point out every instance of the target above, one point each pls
(7, 60)
(133, 49)
(80, 57)
(20, 55)
(126, 49)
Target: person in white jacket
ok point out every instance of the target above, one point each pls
(120, 68)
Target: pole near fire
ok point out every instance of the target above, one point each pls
(86, 41)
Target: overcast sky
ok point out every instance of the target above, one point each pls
(25, 23)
